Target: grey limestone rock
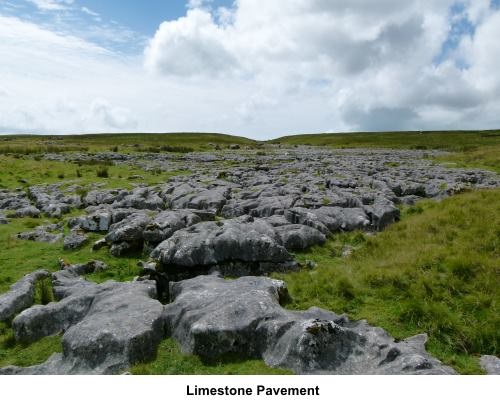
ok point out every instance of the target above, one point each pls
(75, 239)
(211, 316)
(299, 237)
(207, 244)
(106, 327)
(490, 364)
(163, 225)
(98, 221)
(127, 235)
(43, 233)
(21, 295)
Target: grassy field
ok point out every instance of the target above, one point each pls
(459, 141)
(23, 171)
(124, 143)
(436, 271)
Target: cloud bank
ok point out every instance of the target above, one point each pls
(264, 69)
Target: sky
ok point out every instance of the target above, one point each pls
(255, 68)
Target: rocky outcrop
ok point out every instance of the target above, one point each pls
(106, 327)
(126, 235)
(44, 233)
(211, 316)
(237, 246)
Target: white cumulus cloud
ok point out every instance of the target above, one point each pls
(264, 69)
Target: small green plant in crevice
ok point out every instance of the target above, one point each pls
(43, 292)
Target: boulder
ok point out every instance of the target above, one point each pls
(98, 221)
(126, 235)
(234, 241)
(329, 219)
(27, 211)
(381, 214)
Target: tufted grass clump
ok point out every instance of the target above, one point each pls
(102, 171)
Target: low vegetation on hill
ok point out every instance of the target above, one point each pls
(436, 271)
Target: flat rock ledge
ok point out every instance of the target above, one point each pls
(108, 327)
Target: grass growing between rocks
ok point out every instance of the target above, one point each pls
(436, 271)
(17, 354)
(171, 360)
(19, 257)
(474, 149)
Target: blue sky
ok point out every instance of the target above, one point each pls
(143, 16)
(248, 67)
(135, 20)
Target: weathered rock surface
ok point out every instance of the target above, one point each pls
(106, 327)
(44, 233)
(126, 235)
(211, 316)
(245, 243)
(75, 239)
(298, 237)
(166, 223)
(21, 295)
(490, 364)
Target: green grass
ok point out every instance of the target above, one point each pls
(17, 354)
(24, 171)
(460, 141)
(170, 360)
(18, 257)
(123, 143)
(486, 157)
(436, 271)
